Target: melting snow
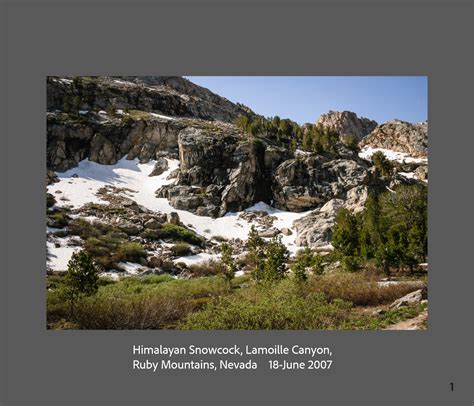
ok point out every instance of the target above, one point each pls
(196, 259)
(409, 175)
(162, 116)
(132, 268)
(58, 257)
(80, 184)
(367, 153)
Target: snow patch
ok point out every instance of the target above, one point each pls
(58, 257)
(161, 116)
(367, 152)
(198, 258)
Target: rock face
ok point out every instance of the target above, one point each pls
(400, 136)
(222, 173)
(221, 169)
(347, 123)
(315, 229)
(302, 184)
(169, 95)
(71, 139)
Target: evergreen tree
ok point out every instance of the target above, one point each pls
(383, 166)
(82, 278)
(345, 233)
(276, 255)
(255, 254)
(228, 262)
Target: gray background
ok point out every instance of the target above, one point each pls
(255, 38)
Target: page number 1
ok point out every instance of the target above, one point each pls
(452, 386)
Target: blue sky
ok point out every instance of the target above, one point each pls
(304, 98)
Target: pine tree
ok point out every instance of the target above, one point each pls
(228, 262)
(82, 278)
(255, 255)
(276, 255)
(345, 233)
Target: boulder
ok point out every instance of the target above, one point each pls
(286, 231)
(269, 233)
(152, 223)
(160, 167)
(413, 297)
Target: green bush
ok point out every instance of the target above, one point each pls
(206, 268)
(58, 218)
(86, 229)
(168, 231)
(282, 308)
(134, 303)
(181, 249)
(110, 249)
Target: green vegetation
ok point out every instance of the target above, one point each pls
(159, 302)
(319, 139)
(181, 249)
(229, 267)
(58, 218)
(392, 230)
(267, 261)
(351, 142)
(168, 231)
(81, 279)
(307, 260)
(274, 128)
(383, 166)
(111, 248)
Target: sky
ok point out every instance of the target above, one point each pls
(304, 98)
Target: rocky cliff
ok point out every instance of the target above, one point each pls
(347, 123)
(221, 168)
(397, 135)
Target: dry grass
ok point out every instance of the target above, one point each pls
(359, 289)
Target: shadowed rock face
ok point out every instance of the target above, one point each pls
(400, 136)
(71, 139)
(347, 123)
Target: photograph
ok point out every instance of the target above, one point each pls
(236, 203)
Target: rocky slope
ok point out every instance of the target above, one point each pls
(347, 123)
(142, 152)
(397, 135)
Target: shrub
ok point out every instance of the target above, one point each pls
(168, 231)
(85, 229)
(181, 249)
(132, 304)
(282, 308)
(207, 268)
(110, 249)
(130, 251)
(357, 289)
(58, 218)
(308, 260)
